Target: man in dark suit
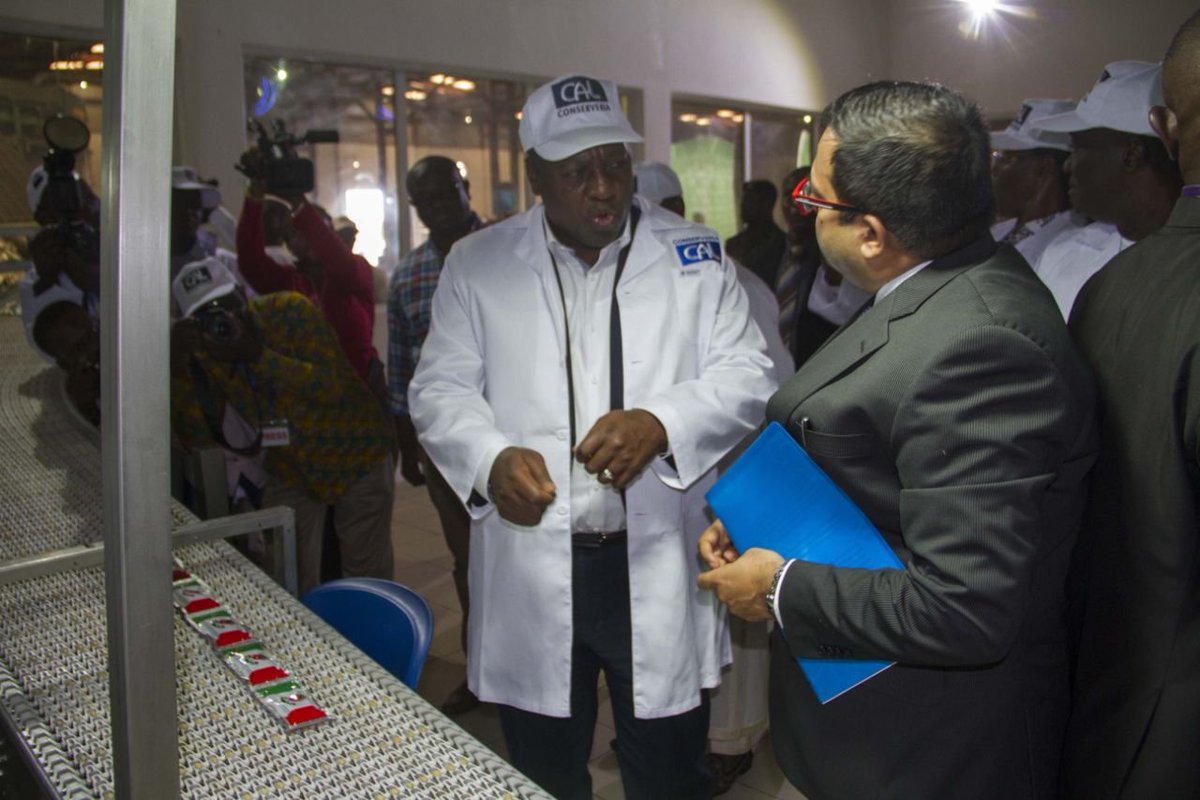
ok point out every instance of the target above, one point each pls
(959, 417)
(1135, 724)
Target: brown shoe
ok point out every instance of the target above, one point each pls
(726, 769)
(460, 701)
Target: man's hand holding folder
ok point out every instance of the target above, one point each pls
(742, 582)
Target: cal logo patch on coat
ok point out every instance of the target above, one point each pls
(695, 250)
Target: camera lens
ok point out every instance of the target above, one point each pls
(219, 325)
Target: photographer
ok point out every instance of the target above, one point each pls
(338, 282)
(66, 335)
(66, 251)
(275, 361)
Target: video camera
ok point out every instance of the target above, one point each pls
(64, 193)
(284, 171)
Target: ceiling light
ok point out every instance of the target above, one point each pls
(467, 119)
(687, 117)
(388, 91)
(437, 78)
(738, 117)
(703, 122)
(98, 48)
(725, 113)
(464, 85)
(281, 74)
(416, 95)
(808, 119)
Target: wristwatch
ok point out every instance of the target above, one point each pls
(769, 599)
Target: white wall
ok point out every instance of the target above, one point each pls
(789, 53)
(1060, 53)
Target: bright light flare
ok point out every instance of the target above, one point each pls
(984, 14)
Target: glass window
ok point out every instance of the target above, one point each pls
(779, 142)
(472, 121)
(354, 175)
(709, 152)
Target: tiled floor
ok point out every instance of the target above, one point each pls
(423, 563)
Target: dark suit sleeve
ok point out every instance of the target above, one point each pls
(978, 436)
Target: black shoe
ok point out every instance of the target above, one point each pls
(726, 769)
(460, 701)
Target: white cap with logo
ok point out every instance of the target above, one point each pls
(201, 282)
(656, 181)
(571, 114)
(1120, 101)
(186, 178)
(1025, 133)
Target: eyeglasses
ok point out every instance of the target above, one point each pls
(808, 204)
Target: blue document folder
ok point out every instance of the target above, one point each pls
(775, 496)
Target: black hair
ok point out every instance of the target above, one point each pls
(918, 156)
(435, 164)
(764, 189)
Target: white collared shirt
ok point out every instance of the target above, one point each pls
(587, 292)
(895, 282)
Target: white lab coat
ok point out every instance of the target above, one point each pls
(492, 375)
(1074, 255)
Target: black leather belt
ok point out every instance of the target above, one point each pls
(596, 538)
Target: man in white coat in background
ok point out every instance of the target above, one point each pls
(738, 709)
(588, 362)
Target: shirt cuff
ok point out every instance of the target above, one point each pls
(779, 592)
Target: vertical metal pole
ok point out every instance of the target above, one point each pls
(747, 156)
(400, 114)
(139, 38)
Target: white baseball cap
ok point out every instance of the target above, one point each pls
(186, 178)
(1025, 133)
(571, 114)
(1120, 100)
(201, 282)
(656, 181)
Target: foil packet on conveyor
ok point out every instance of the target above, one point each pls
(285, 699)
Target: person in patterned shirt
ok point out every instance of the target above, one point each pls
(276, 362)
(441, 197)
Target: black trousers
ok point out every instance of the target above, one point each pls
(659, 758)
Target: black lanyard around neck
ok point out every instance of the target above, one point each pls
(616, 369)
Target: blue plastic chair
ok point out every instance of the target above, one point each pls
(389, 622)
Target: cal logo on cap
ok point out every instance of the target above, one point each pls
(697, 249)
(578, 89)
(196, 277)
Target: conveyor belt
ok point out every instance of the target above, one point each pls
(383, 741)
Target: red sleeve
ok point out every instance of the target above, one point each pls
(264, 274)
(341, 266)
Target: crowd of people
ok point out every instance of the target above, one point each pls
(988, 340)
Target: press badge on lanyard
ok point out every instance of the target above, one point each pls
(275, 433)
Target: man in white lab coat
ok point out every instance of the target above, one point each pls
(587, 363)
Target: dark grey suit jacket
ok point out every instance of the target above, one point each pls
(1135, 730)
(958, 415)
